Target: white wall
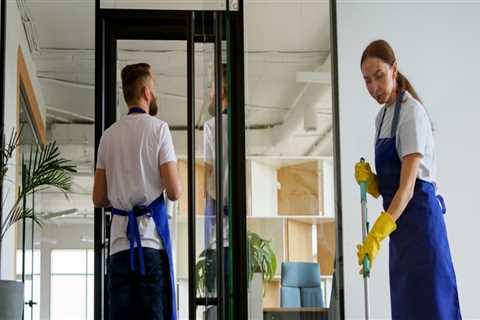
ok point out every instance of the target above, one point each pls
(15, 37)
(438, 49)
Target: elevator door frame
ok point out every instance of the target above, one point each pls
(126, 24)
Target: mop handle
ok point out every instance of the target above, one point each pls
(365, 224)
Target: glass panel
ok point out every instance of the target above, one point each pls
(290, 187)
(28, 262)
(61, 70)
(168, 4)
(207, 257)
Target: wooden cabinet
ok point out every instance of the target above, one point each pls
(298, 189)
(199, 187)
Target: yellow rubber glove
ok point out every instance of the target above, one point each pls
(363, 173)
(371, 245)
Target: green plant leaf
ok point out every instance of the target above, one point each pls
(46, 169)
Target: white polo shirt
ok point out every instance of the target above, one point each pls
(131, 151)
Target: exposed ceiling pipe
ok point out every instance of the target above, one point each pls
(57, 214)
(76, 84)
(69, 114)
(310, 119)
(29, 26)
(318, 141)
(293, 120)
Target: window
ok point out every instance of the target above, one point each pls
(32, 281)
(72, 273)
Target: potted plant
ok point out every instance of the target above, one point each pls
(262, 264)
(45, 168)
(261, 257)
(261, 268)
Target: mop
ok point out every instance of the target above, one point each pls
(365, 227)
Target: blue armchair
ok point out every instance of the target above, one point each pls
(301, 285)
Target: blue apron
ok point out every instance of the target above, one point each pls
(210, 220)
(422, 278)
(158, 211)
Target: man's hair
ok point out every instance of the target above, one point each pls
(134, 78)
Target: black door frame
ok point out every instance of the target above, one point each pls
(3, 26)
(338, 310)
(111, 24)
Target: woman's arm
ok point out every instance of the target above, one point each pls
(408, 176)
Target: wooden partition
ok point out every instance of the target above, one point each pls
(199, 187)
(25, 83)
(299, 189)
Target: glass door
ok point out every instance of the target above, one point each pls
(28, 257)
(184, 51)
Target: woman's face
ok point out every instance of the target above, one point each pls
(380, 78)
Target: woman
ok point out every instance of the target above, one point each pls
(422, 278)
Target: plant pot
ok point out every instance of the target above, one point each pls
(255, 297)
(11, 300)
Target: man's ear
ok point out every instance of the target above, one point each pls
(146, 93)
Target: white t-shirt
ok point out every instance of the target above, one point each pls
(131, 151)
(414, 134)
(209, 153)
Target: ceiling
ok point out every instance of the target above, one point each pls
(287, 72)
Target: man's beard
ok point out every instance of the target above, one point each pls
(153, 109)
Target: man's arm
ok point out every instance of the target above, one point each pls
(173, 185)
(100, 196)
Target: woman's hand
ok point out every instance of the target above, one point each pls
(363, 173)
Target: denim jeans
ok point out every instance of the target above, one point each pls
(133, 296)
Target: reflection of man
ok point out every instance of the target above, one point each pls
(136, 160)
(209, 153)
(210, 188)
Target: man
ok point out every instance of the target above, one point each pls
(136, 164)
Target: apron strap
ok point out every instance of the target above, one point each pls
(396, 114)
(133, 235)
(381, 123)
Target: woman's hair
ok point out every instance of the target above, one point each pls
(382, 50)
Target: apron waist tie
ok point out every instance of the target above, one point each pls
(133, 234)
(442, 203)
